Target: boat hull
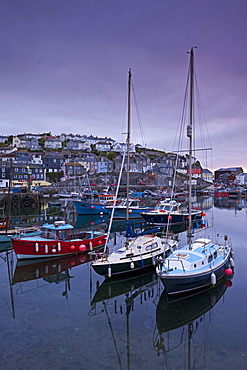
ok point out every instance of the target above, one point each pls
(175, 285)
(124, 267)
(130, 265)
(176, 219)
(120, 212)
(84, 208)
(38, 247)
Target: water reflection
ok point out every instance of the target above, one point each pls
(141, 285)
(52, 270)
(183, 326)
(230, 203)
(122, 299)
(130, 319)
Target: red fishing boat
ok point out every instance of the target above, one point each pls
(55, 240)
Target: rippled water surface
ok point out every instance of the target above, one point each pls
(60, 315)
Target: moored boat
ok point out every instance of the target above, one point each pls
(195, 266)
(89, 208)
(170, 211)
(134, 209)
(137, 254)
(201, 263)
(57, 240)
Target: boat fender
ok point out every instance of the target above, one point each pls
(36, 247)
(142, 263)
(109, 271)
(232, 262)
(72, 247)
(158, 270)
(59, 246)
(153, 261)
(132, 265)
(232, 254)
(91, 246)
(213, 278)
(82, 248)
(46, 248)
(53, 250)
(228, 271)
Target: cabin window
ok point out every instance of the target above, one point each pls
(210, 258)
(195, 265)
(151, 246)
(215, 254)
(202, 262)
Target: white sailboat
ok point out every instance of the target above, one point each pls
(200, 263)
(139, 252)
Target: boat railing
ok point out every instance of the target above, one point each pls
(20, 231)
(172, 260)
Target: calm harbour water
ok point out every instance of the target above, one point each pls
(69, 320)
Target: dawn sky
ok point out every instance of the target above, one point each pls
(64, 67)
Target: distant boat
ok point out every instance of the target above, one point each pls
(134, 209)
(170, 211)
(203, 262)
(89, 208)
(57, 240)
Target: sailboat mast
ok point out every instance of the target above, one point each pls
(189, 134)
(128, 146)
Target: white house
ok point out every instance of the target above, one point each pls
(53, 143)
(241, 179)
(120, 147)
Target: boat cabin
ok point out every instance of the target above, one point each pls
(58, 230)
